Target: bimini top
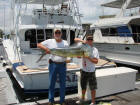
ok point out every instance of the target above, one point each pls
(113, 22)
(47, 2)
(119, 3)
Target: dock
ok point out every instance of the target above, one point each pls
(8, 95)
(125, 98)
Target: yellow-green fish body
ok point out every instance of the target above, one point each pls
(83, 50)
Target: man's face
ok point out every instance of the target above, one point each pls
(89, 41)
(57, 35)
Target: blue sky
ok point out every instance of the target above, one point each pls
(90, 9)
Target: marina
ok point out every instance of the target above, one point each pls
(24, 67)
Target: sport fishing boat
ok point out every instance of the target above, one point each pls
(118, 38)
(34, 22)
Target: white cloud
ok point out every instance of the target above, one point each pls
(91, 9)
(5, 14)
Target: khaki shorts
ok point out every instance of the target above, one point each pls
(88, 77)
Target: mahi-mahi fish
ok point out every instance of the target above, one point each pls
(83, 50)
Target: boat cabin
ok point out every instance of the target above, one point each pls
(117, 30)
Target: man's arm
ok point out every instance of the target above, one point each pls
(93, 60)
(79, 40)
(68, 60)
(39, 45)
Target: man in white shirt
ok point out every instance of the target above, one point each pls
(88, 70)
(57, 65)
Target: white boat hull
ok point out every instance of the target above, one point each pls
(120, 53)
(32, 76)
(37, 81)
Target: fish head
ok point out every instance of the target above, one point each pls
(86, 49)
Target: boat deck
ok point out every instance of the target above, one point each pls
(70, 66)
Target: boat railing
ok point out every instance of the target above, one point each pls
(118, 34)
(132, 12)
(136, 37)
(51, 11)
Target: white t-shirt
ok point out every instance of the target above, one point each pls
(51, 43)
(87, 65)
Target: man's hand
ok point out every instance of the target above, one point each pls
(93, 60)
(78, 57)
(79, 40)
(68, 61)
(47, 51)
(86, 57)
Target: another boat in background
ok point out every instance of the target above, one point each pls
(118, 38)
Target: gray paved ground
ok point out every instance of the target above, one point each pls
(7, 94)
(125, 98)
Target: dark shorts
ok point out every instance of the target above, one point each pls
(88, 77)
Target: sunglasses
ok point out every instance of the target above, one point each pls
(90, 39)
(57, 32)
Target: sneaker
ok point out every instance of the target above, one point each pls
(50, 103)
(81, 101)
(92, 104)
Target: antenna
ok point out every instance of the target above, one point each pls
(123, 8)
(4, 18)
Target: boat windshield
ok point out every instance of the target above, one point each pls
(122, 31)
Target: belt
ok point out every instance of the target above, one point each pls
(50, 61)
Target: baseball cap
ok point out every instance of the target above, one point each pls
(57, 29)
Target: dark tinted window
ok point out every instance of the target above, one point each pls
(49, 33)
(40, 35)
(30, 35)
(64, 35)
(109, 31)
(113, 32)
(72, 36)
